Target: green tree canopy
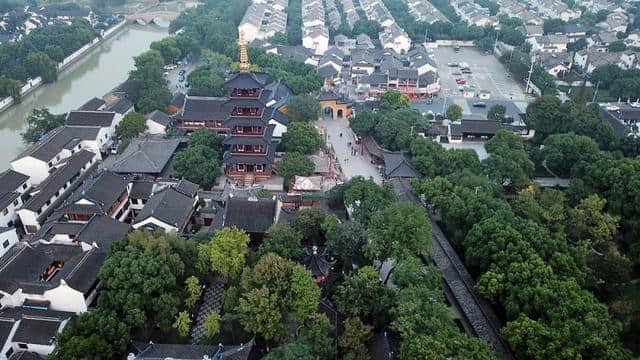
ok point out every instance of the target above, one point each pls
(206, 80)
(146, 86)
(276, 290)
(308, 222)
(364, 295)
(346, 242)
(198, 164)
(282, 240)
(508, 163)
(226, 252)
(562, 151)
(98, 333)
(302, 137)
(454, 112)
(142, 278)
(40, 122)
(353, 340)
(131, 125)
(365, 197)
(304, 108)
(497, 112)
(400, 230)
(292, 164)
(393, 100)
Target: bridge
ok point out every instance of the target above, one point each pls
(152, 17)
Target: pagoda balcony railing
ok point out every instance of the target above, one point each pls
(236, 113)
(231, 172)
(246, 94)
(236, 152)
(248, 133)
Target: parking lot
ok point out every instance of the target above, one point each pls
(487, 74)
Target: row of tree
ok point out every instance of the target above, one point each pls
(622, 84)
(39, 52)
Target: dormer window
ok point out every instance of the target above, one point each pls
(52, 270)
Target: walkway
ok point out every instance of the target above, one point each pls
(358, 165)
(211, 302)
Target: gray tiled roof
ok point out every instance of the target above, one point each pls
(57, 139)
(23, 270)
(121, 106)
(58, 178)
(92, 105)
(159, 117)
(90, 118)
(11, 180)
(250, 216)
(397, 164)
(102, 189)
(168, 205)
(37, 326)
(146, 155)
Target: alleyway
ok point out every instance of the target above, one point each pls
(351, 165)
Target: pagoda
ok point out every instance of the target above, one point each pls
(250, 153)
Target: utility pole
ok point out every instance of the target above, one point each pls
(595, 92)
(533, 60)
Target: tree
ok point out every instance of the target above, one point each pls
(553, 25)
(308, 222)
(365, 197)
(346, 242)
(198, 164)
(562, 151)
(617, 46)
(146, 86)
(364, 295)
(316, 333)
(302, 137)
(400, 230)
(206, 81)
(40, 122)
(508, 163)
(140, 278)
(97, 333)
(283, 241)
(193, 290)
(275, 291)
(182, 324)
(363, 123)
(40, 64)
(292, 164)
(497, 113)
(292, 351)
(212, 325)
(393, 100)
(454, 112)
(131, 125)
(225, 253)
(588, 222)
(168, 48)
(207, 138)
(304, 107)
(353, 340)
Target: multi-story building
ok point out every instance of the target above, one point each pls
(251, 153)
(263, 19)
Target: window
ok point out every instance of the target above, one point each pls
(15, 203)
(5, 244)
(50, 164)
(48, 202)
(58, 158)
(259, 168)
(5, 211)
(22, 346)
(241, 167)
(24, 186)
(9, 353)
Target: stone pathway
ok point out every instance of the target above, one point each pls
(211, 302)
(351, 165)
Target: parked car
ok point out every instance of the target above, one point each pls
(461, 81)
(452, 64)
(480, 104)
(466, 71)
(456, 73)
(182, 72)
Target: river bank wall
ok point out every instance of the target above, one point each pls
(33, 84)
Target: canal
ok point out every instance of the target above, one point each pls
(101, 70)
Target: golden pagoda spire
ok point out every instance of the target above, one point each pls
(244, 55)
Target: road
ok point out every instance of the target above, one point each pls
(173, 77)
(358, 165)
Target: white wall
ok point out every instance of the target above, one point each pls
(11, 236)
(152, 220)
(155, 128)
(279, 129)
(35, 169)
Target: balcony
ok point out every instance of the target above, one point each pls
(248, 150)
(246, 93)
(248, 112)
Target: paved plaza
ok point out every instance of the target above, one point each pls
(351, 165)
(487, 74)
